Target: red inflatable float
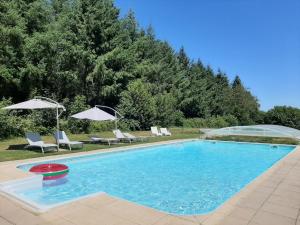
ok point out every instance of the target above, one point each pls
(50, 171)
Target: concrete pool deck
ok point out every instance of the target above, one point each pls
(271, 199)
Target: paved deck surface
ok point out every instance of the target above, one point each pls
(272, 199)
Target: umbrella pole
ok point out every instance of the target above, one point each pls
(57, 126)
(116, 122)
(115, 111)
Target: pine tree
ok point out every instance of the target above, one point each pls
(245, 106)
(183, 59)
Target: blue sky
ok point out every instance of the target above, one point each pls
(259, 40)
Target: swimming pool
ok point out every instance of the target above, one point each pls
(186, 178)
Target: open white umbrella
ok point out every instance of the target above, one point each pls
(96, 114)
(40, 103)
(35, 103)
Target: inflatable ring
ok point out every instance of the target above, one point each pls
(50, 171)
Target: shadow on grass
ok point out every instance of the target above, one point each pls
(20, 147)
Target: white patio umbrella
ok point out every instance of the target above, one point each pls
(40, 103)
(96, 114)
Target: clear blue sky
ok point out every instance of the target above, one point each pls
(259, 40)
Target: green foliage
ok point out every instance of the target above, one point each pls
(231, 120)
(75, 125)
(168, 113)
(82, 53)
(137, 105)
(212, 122)
(43, 121)
(245, 106)
(206, 94)
(284, 115)
(102, 126)
(11, 124)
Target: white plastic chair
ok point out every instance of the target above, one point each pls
(63, 139)
(119, 135)
(35, 140)
(137, 138)
(109, 141)
(165, 132)
(155, 131)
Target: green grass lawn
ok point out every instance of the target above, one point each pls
(13, 149)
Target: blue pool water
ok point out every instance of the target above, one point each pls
(192, 177)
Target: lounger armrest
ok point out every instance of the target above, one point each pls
(97, 138)
(76, 142)
(49, 145)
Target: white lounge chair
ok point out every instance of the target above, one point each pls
(119, 135)
(35, 140)
(109, 141)
(63, 139)
(155, 131)
(137, 138)
(165, 132)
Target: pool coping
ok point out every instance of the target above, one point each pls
(221, 211)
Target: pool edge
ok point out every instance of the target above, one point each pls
(248, 188)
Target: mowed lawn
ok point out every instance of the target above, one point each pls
(14, 148)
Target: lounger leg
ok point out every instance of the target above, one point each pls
(70, 147)
(42, 150)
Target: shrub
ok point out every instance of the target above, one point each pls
(211, 122)
(41, 121)
(217, 122)
(102, 126)
(138, 106)
(75, 125)
(167, 112)
(231, 120)
(194, 123)
(11, 124)
(284, 115)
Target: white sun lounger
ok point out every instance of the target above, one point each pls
(165, 132)
(120, 136)
(63, 139)
(155, 131)
(109, 141)
(35, 140)
(137, 138)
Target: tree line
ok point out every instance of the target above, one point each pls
(80, 52)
